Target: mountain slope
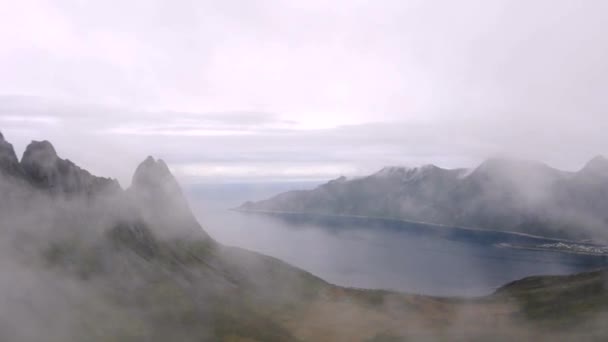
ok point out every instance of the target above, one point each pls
(89, 263)
(107, 264)
(500, 194)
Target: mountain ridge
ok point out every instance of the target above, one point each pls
(500, 194)
(85, 264)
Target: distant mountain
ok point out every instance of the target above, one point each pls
(500, 194)
(84, 260)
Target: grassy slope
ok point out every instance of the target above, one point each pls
(180, 290)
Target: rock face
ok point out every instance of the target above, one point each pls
(500, 194)
(154, 198)
(154, 181)
(596, 167)
(135, 263)
(43, 168)
(9, 164)
(160, 198)
(101, 269)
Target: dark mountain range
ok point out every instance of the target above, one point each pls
(506, 195)
(83, 260)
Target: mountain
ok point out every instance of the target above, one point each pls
(85, 260)
(81, 259)
(45, 169)
(500, 194)
(9, 164)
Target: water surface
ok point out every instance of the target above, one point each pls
(375, 253)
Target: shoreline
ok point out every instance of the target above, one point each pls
(402, 220)
(555, 250)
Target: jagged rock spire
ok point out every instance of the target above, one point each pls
(43, 168)
(40, 163)
(8, 159)
(153, 173)
(161, 200)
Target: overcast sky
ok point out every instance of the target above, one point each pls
(294, 90)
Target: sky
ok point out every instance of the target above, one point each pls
(269, 90)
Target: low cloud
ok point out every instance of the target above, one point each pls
(254, 146)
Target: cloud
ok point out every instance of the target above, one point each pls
(257, 145)
(262, 171)
(348, 83)
(355, 60)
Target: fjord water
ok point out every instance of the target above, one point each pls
(376, 253)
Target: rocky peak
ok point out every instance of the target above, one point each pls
(406, 173)
(493, 165)
(39, 160)
(161, 200)
(8, 159)
(153, 173)
(43, 168)
(597, 166)
(339, 180)
(154, 182)
(390, 171)
(515, 168)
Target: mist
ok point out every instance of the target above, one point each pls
(85, 259)
(402, 169)
(270, 91)
(370, 254)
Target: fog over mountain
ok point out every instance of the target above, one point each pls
(83, 259)
(241, 100)
(500, 194)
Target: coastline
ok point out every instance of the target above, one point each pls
(402, 220)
